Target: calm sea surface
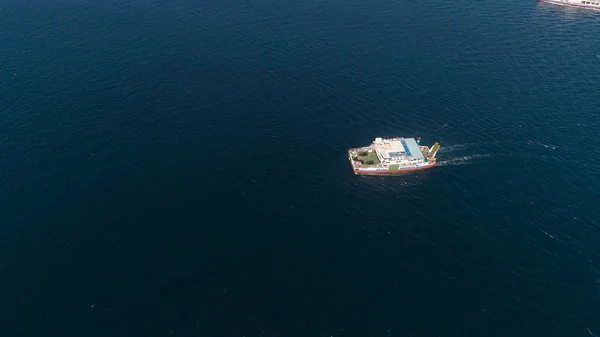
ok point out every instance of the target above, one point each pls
(179, 168)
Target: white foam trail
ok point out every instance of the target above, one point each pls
(453, 148)
(464, 160)
(457, 147)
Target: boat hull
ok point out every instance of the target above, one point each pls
(572, 4)
(365, 172)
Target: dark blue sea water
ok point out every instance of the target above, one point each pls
(179, 168)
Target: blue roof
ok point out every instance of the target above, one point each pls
(412, 148)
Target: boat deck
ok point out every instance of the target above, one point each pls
(364, 157)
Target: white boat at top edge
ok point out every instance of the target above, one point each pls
(595, 4)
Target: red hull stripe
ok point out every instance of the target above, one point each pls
(392, 173)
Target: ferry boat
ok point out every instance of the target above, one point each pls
(392, 156)
(576, 3)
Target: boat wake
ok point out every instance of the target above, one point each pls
(464, 160)
(457, 147)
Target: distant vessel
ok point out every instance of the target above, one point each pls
(392, 156)
(576, 3)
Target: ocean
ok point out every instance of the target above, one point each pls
(179, 168)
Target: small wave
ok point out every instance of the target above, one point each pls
(551, 236)
(547, 146)
(464, 160)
